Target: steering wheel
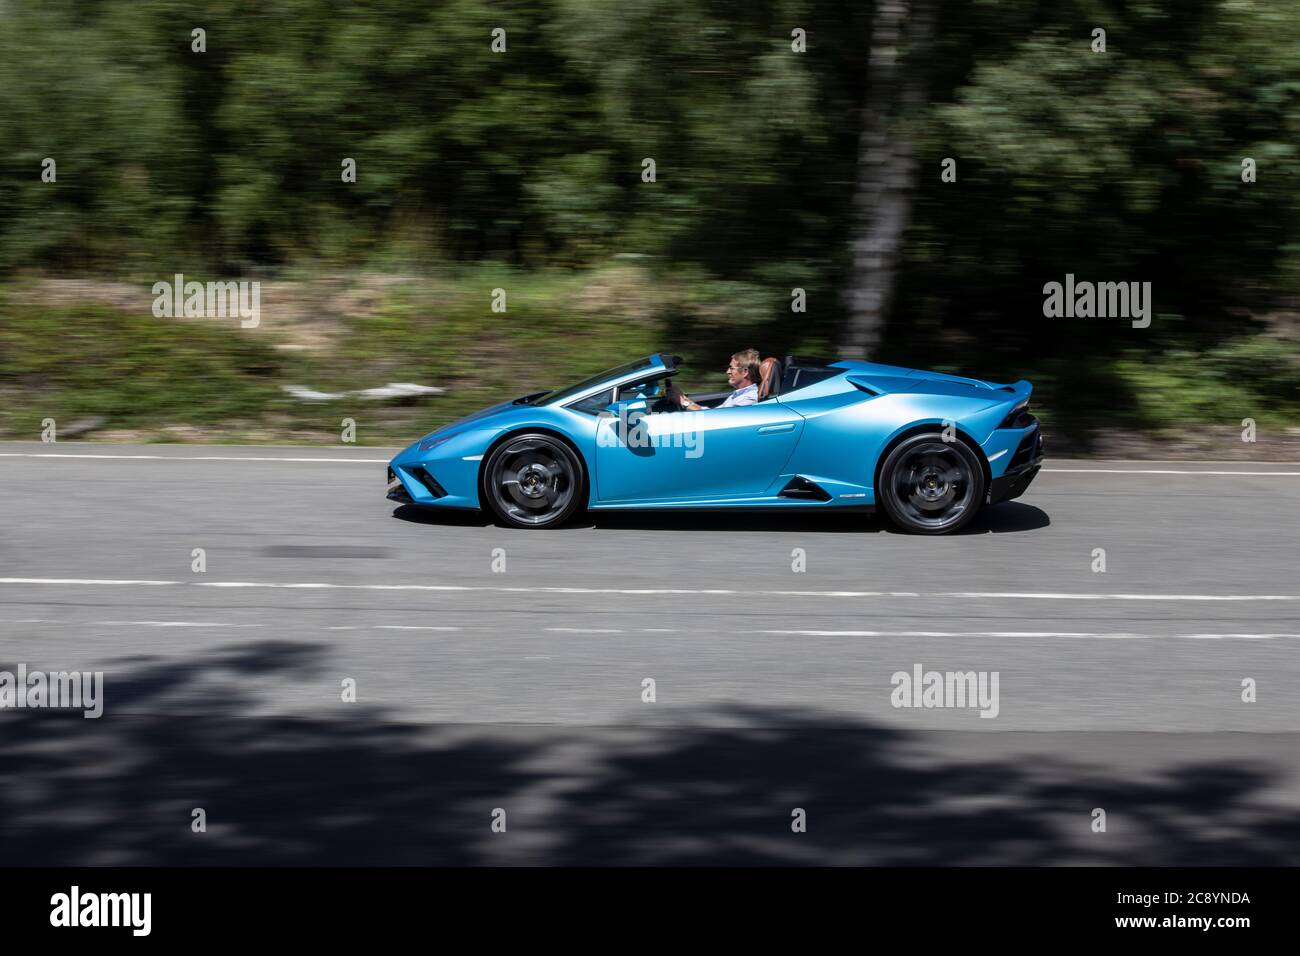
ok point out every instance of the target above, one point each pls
(670, 400)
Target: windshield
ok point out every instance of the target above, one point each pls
(572, 390)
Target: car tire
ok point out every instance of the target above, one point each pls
(533, 480)
(931, 486)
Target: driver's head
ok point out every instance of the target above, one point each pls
(743, 369)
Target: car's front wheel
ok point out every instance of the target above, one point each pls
(533, 480)
(931, 486)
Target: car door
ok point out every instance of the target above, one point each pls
(718, 453)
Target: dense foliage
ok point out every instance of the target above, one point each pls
(1123, 165)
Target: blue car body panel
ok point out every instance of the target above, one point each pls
(830, 433)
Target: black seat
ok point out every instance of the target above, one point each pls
(800, 372)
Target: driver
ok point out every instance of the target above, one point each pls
(742, 376)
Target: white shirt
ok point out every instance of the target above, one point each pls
(747, 395)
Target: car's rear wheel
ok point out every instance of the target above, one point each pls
(931, 486)
(533, 480)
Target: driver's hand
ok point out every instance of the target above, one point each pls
(683, 399)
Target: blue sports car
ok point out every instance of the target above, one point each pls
(927, 448)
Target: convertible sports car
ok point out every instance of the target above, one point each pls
(928, 448)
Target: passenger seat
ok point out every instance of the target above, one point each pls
(769, 378)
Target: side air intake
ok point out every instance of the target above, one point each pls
(423, 477)
(802, 488)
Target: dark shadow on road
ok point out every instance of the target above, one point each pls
(731, 520)
(454, 517)
(348, 784)
(1009, 517)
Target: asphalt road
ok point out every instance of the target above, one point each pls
(514, 678)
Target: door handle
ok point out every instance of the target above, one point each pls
(776, 429)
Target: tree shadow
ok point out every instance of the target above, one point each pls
(349, 784)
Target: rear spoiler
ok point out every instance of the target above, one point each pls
(1020, 390)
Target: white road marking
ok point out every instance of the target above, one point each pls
(83, 581)
(1032, 595)
(1165, 471)
(1014, 634)
(363, 461)
(168, 624)
(364, 627)
(308, 585)
(457, 588)
(411, 627)
(1099, 635)
(389, 627)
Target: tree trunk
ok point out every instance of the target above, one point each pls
(887, 172)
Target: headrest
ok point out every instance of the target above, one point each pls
(769, 378)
